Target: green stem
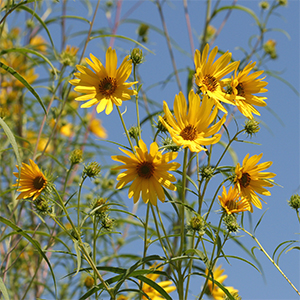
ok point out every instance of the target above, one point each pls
(180, 287)
(78, 204)
(125, 129)
(190, 270)
(137, 103)
(271, 260)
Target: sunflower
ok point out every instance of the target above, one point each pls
(32, 181)
(242, 86)
(151, 292)
(190, 129)
(231, 203)
(105, 86)
(249, 179)
(96, 127)
(214, 291)
(148, 171)
(209, 74)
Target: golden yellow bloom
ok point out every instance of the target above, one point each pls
(209, 74)
(39, 43)
(148, 171)
(105, 86)
(214, 291)
(249, 179)
(32, 139)
(231, 202)
(96, 128)
(242, 86)
(72, 50)
(151, 292)
(32, 181)
(191, 128)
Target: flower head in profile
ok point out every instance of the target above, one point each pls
(95, 126)
(104, 86)
(208, 74)
(213, 290)
(190, 127)
(148, 172)
(151, 292)
(231, 201)
(250, 180)
(32, 181)
(241, 89)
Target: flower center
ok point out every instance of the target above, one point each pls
(108, 86)
(240, 90)
(245, 180)
(39, 182)
(231, 205)
(189, 133)
(145, 169)
(210, 82)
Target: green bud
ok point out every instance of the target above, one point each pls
(264, 5)
(133, 132)
(75, 156)
(91, 170)
(207, 172)
(231, 223)
(137, 56)
(170, 145)
(294, 201)
(251, 127)
(197, 223)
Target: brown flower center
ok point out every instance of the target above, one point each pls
(189, 133)
(231, 205)
(145, 169)
(108, 86)
(211, 82)
(240, 90)
(245, 180)
(39, 182)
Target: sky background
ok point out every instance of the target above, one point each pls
(279, 138)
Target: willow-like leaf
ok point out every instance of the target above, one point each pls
(24, 82)
(3, 290)
(34, 243)
(12, 140)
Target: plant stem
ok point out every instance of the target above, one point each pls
(271, 260)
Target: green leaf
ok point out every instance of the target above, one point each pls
(26, 50)
(78, 254)
(34, 243)
(12, 140)
(24, 81)
(155, 286)
(42, 23)
(3, 289)
(239, 7)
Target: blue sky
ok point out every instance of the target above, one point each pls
(279, 139)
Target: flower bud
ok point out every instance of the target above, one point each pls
(170, 145)
(207, 172)
(269, 47)
(91, 170)
(264, 5)
(133, 132)
(197, 224)
(75, 156)
(231, 223)
(137, 56)
(89, 282)
(294, 201)
(251, 127)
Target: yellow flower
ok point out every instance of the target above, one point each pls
(105, 86)
(151, 292)
(39, 43)
(96, 128)
(32, 139)
(32, 181)
(148, 171)
(242, 86)
(190, 129)
(249, 179)
(209, 74)
(214, 291)
(231, 203)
